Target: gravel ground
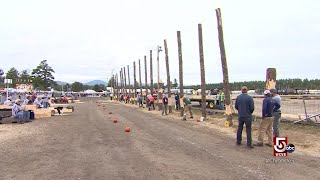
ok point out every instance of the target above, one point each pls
(88, 145)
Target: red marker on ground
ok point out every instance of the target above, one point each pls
(127, 129)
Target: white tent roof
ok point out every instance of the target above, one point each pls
(89, 91)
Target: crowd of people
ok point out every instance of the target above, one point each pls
(271, 113)
(149, 101)
(40, 100)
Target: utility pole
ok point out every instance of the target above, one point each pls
(224, 70)
(168, 74)
(203, 74)
(180, 71)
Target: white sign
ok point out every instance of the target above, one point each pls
(8, 81)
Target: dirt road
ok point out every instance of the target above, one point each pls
(88, 145)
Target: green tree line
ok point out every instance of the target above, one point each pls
(41, 77)
(282, 84)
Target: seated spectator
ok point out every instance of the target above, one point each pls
(18, 112)
(8, 102)
(27, 101)
(37, 102)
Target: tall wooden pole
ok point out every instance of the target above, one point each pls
(146, 75)
(125, 81)
(151, 74)
(168, 74)
(121, 84)
(129, 81)
(134, 82)
(140, 83)
(180, 69)
(271, 78)
(117, 85)
(114, 87)
(158, 77)
(224, 70)
(203, 74)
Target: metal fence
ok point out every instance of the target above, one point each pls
(291, 109)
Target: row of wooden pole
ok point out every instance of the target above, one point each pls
(123, 71)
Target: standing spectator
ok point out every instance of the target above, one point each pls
(267, 119)
(140, 100)
(187, 107)
(37, 102)
(221, 98)
(8, 102)
(177, 98)
(151, 102)
(276, 112)
(245, 106)
(165, 105)
(45, 101)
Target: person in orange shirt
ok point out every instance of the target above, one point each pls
(151, 103)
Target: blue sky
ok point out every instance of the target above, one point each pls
(85, 40)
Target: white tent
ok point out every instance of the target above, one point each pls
(89, 91)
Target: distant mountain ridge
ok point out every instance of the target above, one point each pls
(90, 83)
(94, 82)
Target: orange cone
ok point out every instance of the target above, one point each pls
(115, 120)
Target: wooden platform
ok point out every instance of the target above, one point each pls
(43, 113)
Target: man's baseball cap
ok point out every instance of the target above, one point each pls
(266, 92)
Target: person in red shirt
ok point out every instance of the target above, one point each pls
(151, 103)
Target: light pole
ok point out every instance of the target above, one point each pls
(158, 68)
(8, 81)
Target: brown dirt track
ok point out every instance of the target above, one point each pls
(88, 145)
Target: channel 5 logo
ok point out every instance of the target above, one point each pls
(281, 146)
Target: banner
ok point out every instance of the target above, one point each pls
(24, 87)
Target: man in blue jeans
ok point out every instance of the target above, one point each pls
(18, 112)
(245, 106)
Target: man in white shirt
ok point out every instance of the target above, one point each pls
(8, 102)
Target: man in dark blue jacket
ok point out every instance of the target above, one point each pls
(245, 106)
(267, 119)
